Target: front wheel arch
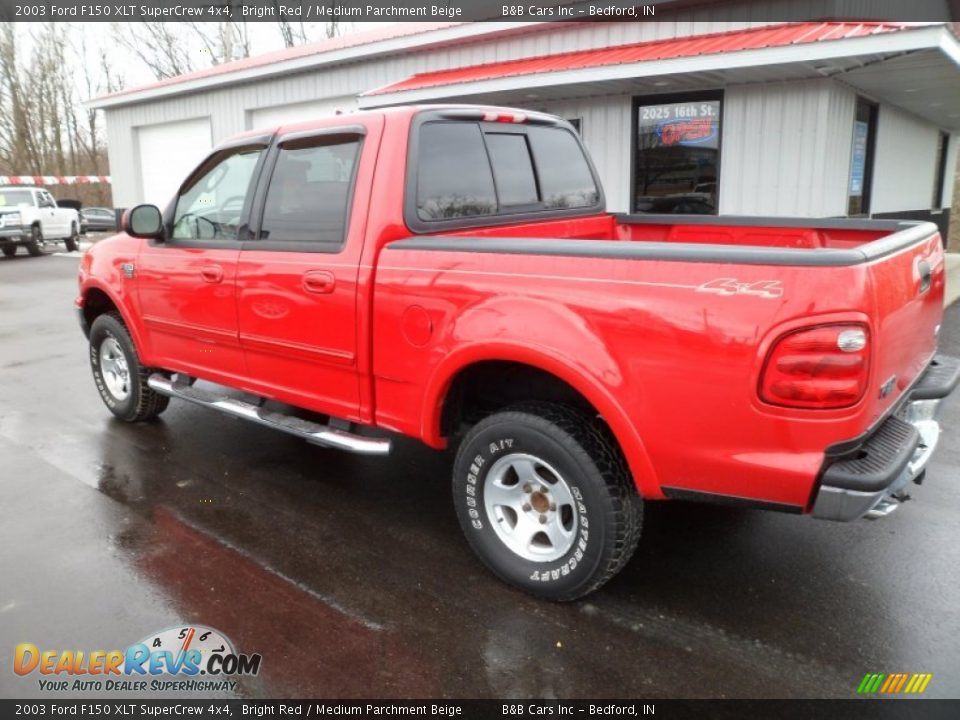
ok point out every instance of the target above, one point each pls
(97, 301)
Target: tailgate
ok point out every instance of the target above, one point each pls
(907, 283)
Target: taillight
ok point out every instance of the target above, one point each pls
(820, 367)
(504, 117)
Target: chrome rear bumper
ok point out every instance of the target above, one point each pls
(871, 480)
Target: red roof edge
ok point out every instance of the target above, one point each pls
(777, 35)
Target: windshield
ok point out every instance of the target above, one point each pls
(15, 198)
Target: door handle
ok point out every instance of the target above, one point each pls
(211, 273)
(319, 281)
(926, 275)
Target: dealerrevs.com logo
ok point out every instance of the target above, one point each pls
(189, 658)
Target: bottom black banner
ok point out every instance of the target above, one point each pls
(484, 709)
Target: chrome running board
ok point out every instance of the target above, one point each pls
(312, 432)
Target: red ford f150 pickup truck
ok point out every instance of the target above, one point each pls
(450, 273)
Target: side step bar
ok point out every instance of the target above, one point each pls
(308, 430)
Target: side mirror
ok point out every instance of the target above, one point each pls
(143, 221)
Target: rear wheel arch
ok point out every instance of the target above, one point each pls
(551, 381)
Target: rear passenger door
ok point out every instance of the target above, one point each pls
(297, 279)
(50, 223)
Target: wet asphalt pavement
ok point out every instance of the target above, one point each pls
(350, 575)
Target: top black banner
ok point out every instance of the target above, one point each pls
(475, 10)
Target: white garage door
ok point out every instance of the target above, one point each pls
(300, 112)
(168, 152)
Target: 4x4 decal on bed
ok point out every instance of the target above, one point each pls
(732, 286)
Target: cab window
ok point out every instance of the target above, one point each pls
(308, 199)
(487, 169)
(211, 201)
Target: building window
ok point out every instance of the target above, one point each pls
(940, 167)
(861, 158)
(677, 153)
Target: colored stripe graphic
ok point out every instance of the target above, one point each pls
(54, 179)
(894, 683)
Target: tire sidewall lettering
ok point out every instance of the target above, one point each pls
(473, 477)
(474, 472)
(109, 400)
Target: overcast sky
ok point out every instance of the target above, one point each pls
(264, 37)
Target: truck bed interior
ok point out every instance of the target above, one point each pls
(792, 233)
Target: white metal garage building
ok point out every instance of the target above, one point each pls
(692, 113)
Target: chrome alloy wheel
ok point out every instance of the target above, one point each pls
(113, 367)
(530, 507)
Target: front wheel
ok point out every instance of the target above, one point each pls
(545, 499)
(9, 250)
(121, 379)
(72, 243)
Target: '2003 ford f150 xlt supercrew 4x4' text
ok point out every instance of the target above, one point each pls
(450, 273)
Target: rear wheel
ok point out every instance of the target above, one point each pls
(546, 500)
(72, 243)
(37, 245)
(121, 379)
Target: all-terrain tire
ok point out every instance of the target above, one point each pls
(35, 246)
(568, 447)
(72, 243)
(139, 402)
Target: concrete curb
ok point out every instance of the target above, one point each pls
(953, 278)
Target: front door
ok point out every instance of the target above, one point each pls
(297, 281)
(187, 283)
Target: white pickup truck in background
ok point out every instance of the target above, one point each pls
(29, 216)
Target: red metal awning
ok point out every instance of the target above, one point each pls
(710, 44)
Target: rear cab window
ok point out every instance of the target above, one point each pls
(472, 174)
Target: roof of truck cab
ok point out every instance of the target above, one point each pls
(397, 110)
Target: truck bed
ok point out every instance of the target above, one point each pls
(678, 312)
(749, 232)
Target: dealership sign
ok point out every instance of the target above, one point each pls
(685, 123)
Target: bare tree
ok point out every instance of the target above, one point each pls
(220, 42)
(157, 45)
(46, 131)
(298, 33)
(171, 49)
